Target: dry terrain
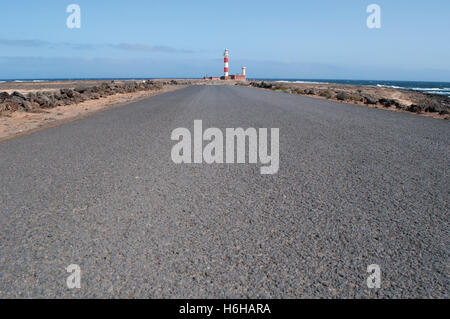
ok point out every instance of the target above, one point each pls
(430, 105)
(29, 106)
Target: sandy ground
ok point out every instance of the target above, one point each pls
(21, 123)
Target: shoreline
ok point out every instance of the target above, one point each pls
(424, 104)
(431, 87)
(27, 107)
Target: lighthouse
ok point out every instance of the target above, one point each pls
(226, 71)
(226, 56)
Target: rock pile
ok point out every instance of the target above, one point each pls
(429, 103)
(48, 99)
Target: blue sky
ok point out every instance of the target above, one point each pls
(274, 39)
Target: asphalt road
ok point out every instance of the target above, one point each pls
(356, 186)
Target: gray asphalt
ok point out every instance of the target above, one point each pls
(356, 186)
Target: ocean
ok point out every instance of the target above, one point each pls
(441, 88)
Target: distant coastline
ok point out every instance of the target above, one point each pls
(430, 87)
(440, 88)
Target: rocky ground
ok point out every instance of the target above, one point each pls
(399, 100)
(33, 97)
(27, 106)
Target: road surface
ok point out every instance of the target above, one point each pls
(356, 186)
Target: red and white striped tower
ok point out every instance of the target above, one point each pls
(226, 55)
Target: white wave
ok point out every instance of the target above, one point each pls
(440, 93)
(390, 86)
(38, 81)
(431, 89)
(309, 82)
(306, 82)
(18, 81)
(443, 91)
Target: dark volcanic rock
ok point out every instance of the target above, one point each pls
(31, 97)
(27, 105)
(326, 93)
(94, 89)
(44, 101)
(368, 99)
(265, 85)
(57, 96)
(415, 108)
(3, 96)
(67, 92)
(388, 102)
(19, 95)
(17, 99)
(88, 95)
(342, 96)
(78, 98)
(16, 102)
(431, 109)
(81, 89)
(47, 99)
(385, 102)
(431, 105)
